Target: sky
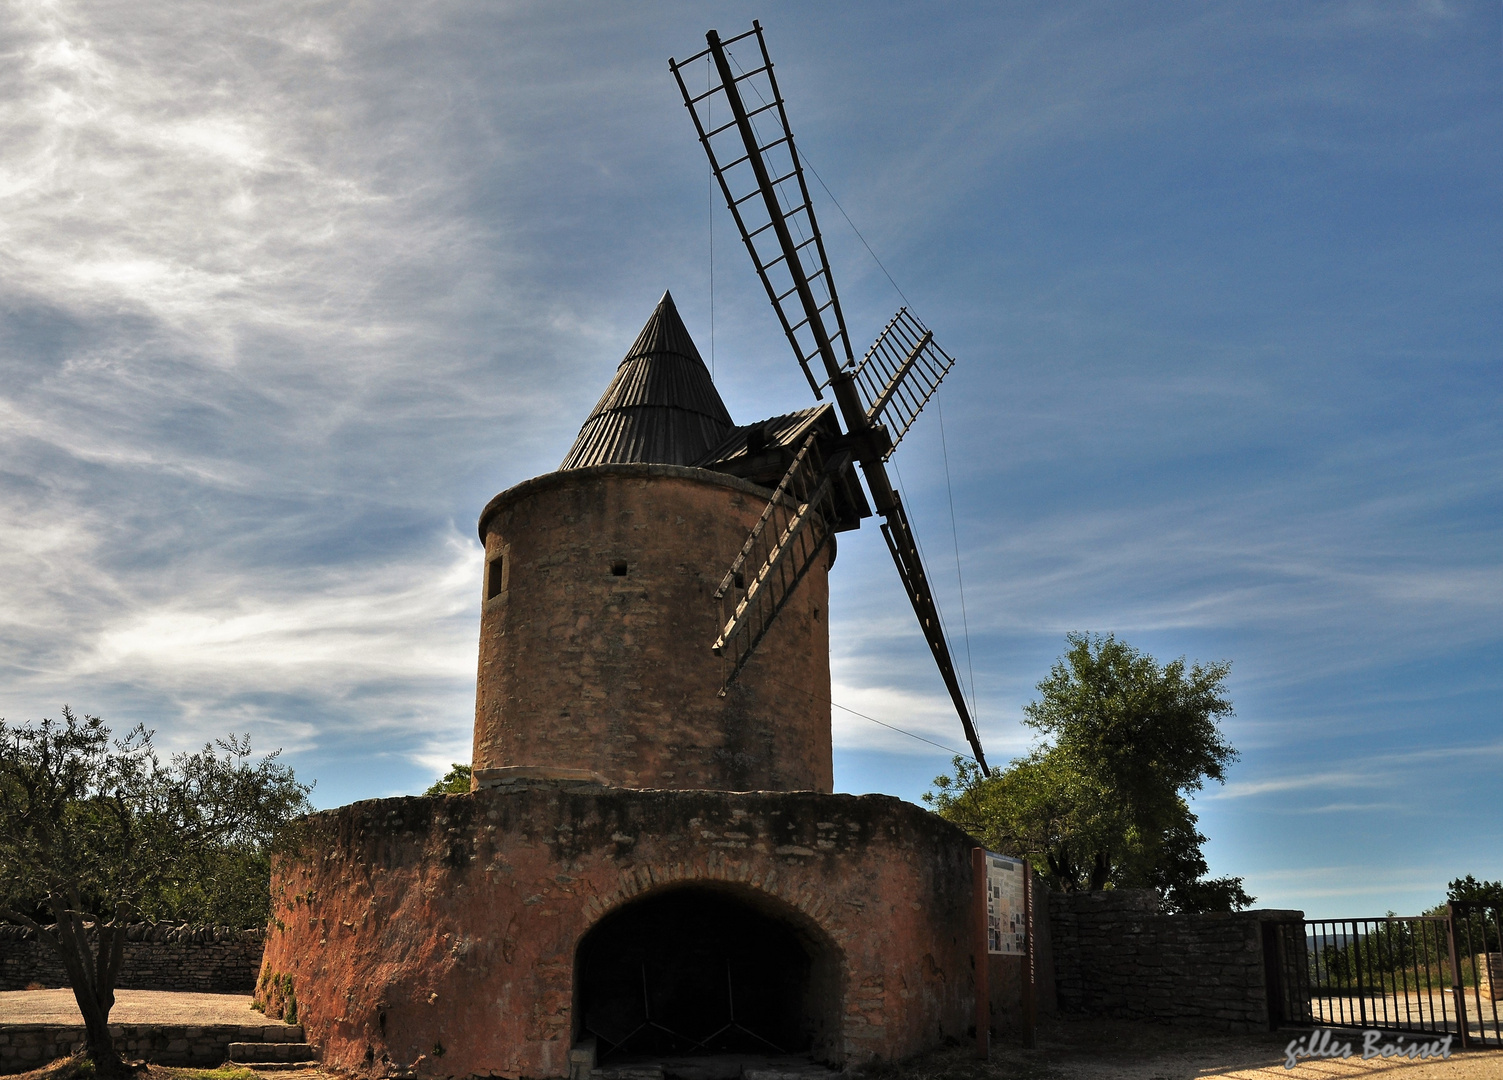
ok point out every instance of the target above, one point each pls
(289, 290)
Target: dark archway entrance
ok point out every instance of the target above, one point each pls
(700, 970)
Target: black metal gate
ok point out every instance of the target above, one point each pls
(1432, 975)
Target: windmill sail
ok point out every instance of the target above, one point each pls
(899, 375)
(784, 543)
(910, 566)
(753, 157)
(763, 184)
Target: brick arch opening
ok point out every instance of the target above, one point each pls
(708, 970)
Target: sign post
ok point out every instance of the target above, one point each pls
(1029, 1002)
(981, 878)
(1009, 926)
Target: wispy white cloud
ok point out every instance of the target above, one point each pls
(394, 620)
(1366, 769)
(1353, 880)
(287, 292)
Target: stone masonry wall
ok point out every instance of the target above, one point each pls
(595, 638)
(1115, 955)
(29, 1046)
(158, 956)
(438, 936)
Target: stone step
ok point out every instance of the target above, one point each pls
(271, 1033)
(247, 1053)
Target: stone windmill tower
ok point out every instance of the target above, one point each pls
(651, 870)
(599, 600)
(603, 577)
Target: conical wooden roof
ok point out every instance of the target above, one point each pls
(661, 408)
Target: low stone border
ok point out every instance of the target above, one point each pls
(29, 1046)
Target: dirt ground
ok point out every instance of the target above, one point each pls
(131, 1007)
(1073, 1050)
(1109, 1050)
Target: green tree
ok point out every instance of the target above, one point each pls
(1469, 890)
(1479, 929)
(1102, 799)
(454, 782)
(97, 832)
(1043, 806)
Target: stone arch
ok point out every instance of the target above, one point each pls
(796, 890)
(708, 966)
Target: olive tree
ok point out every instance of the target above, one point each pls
(454, 782)
(1102, 800)
(96, 832)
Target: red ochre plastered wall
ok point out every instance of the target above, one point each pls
(436, 936)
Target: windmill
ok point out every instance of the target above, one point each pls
(757, 167)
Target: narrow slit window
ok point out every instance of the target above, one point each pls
(493, 577)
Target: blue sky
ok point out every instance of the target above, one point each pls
(288, 291)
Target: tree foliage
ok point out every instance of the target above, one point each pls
(1102, 799)
(1478, 919)
(1468, 890)
(454, 782)
(97, 832)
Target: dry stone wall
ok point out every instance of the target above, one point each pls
(1115, 955)
(158, 956)
(28, 1046)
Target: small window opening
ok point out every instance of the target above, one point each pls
(816, 614)
(493, 578)
(740, 580)
(619, 568)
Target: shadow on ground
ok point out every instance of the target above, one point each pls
(1074, 1049)
(1067, 1050)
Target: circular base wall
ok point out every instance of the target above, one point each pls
(494, 933)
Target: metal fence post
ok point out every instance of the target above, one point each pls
(1357, 950)
(1273, 981)
(1458, 992)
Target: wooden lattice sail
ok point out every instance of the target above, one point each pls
(756, 164)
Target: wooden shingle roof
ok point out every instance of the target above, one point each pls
(661, 408)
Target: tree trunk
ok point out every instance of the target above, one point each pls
(91, 974)
(1060, 869)
(1101, 871)
(93, 980)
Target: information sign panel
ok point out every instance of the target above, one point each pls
(1005, 925)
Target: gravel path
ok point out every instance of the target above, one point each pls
(131, 1007)
(1077, 1049)
(1112, 1050)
